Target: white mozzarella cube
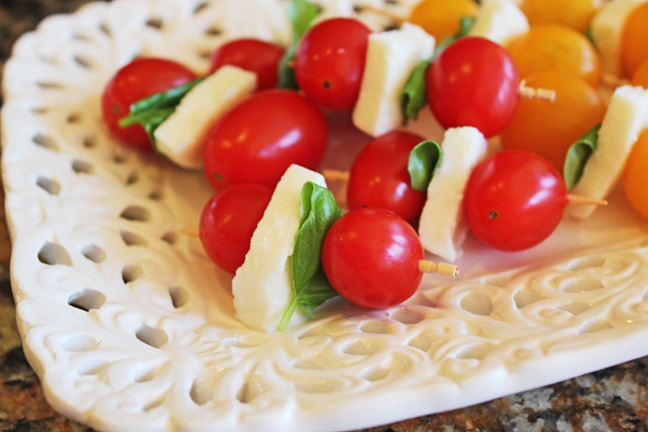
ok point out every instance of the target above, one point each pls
(391, 58)
(262, 286)
(442, 227)
(181, 137)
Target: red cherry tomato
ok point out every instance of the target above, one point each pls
(253, 55)
(379, 176)
(229, 220)
(262, 136)
(140, 78)
(371, 257)
(514, 200)
(473, 82)
(330, 61)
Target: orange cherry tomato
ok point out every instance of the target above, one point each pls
(549, 128)
(634, 48)
(576, 14)
(635, 177)
(640, 78)
(440, 18)
(555, 47)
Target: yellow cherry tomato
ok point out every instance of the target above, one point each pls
(640, 78)
(555, 47)
(576, 14)
(550, 128)
(440, 18)
(635, 178)
(634, 48)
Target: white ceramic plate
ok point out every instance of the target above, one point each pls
(130, 327)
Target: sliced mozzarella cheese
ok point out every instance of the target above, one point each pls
(181, 137)
(500, 21)
(391, 58)
(625, 118)
(442, 227)
(607, 31)
(262, 286)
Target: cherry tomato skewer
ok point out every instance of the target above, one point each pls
(374, 258)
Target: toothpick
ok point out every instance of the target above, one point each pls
(542, 94)
(189, 232)
(581, 200)
(443, 269)
(332, 175)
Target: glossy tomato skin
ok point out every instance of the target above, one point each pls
(379, 176)
(262, 136)
(514, 200)
(228, 221)
(371, 257)
(138, 79)
(330, 61)
(253, 55)
(473, 82)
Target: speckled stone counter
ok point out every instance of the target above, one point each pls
(613, 399)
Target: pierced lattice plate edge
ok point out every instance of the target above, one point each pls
(144, 400)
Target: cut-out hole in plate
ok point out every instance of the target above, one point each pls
(132, 239)
(94, 253)
(82, 167)
(586, 263)
(249, 390)
(200, 7)
(475, 351)
(408, 316)
(132, 178)
(200, 393)
(53, 254)
(525, 297)
(170, 238)
(155, 23)
(595, 326)
(136, 213)
(74, 118)
(213, 31)
(362, 347)
(376, 374)
(46, 85)
(90, 141)
(574, 308)
(306, 364)
(131, 272)
(179, 296)
(79, 343)
(45, 141)
(87, 299)
(580, 285)
(152, 336)
(50, 186)
(375, 327)
(477, 303)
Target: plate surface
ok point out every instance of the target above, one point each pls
(130, 327)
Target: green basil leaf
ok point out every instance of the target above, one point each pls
(301, 13)
(152, 110)
(317, 212)
(578, 155)
(414, 94)
(423, 160)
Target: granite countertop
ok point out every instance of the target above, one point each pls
(612, 399)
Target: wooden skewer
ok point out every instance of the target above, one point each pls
(443, 269)
(189, 232)
(541, 94)
(332, 175)
(581, 200)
